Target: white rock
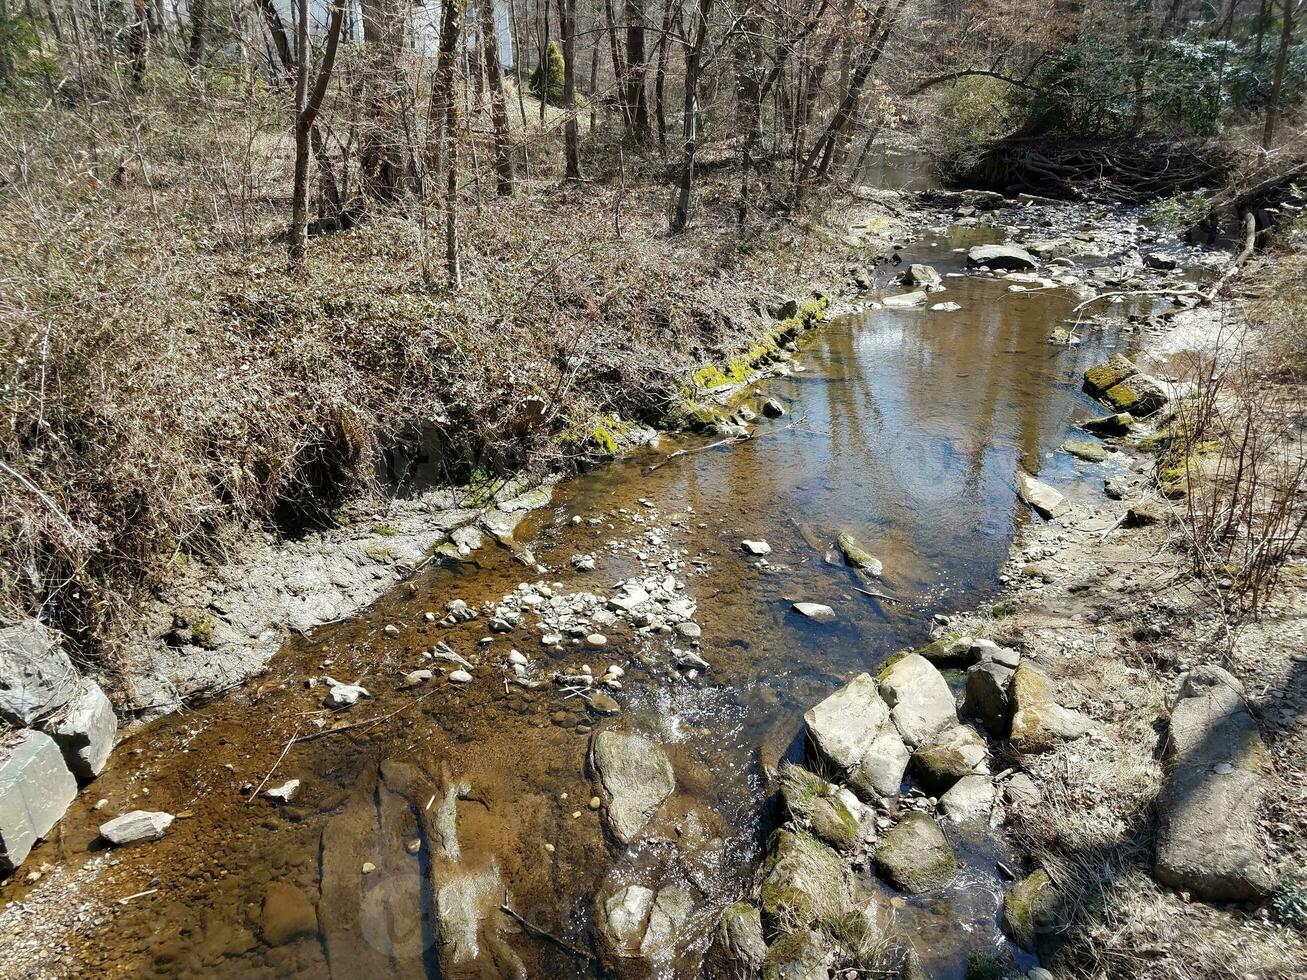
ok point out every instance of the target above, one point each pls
(285, 792)
(756, 547)
(815, 611)
(460, 676)
(344, 695)
(134, 827)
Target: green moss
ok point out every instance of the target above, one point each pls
(380, 552)
(202, 630)
(385, 530)
(804, 879)
(1029, 908)
(1101, 378)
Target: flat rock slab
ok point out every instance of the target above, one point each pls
(36, 676)
(1141, 395)
(852, 732)
(1009, 257)
(1102, 378)
(36, 788)
(85, 728)
(1046, 501)
(905, 301)
(919, 699)
(971, 798)
(637, 776)
(1208, 842)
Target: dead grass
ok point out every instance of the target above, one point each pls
(166, 380)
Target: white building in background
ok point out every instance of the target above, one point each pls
(424, 23)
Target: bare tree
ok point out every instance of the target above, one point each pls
(138, 39)
(498, 101)
(199, 16)
(308, 103)
(571, 136)
(1289, 9)
(690, 141)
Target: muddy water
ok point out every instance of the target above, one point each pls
(903, 428)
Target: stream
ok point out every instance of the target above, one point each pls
(904, 428)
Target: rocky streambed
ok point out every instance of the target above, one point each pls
(660, 725)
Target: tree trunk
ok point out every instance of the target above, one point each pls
(443, 102)
(447, 79)
(381, 155)
(1277, 85)
(498, 101)
(670, 9)
(571, 136)
(693, 67)
(308, 102)
(138, 37)
(633, 87)
(199, 12)
(619, 65)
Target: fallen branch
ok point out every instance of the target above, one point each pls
(535, 930)
(880, 595)
(285, 749)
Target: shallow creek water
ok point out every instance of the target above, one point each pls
(904, 428)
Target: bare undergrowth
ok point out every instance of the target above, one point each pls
(166, 379)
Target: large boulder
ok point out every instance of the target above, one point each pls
(1046, 501)
(36, 676)
(803, 880)
(1039, 723)
(1101, 378)
(988, 697)
(1030, 910)
(1007, 257)
(85, 728)
(851, 731)
(918, 274)
(35, 790)
(636, 775)
(1208, 842)
(956, 752)
(970, 798)
(833, 813)
(915, 856)
(1140, 395)
(918, 697)
(738, 949)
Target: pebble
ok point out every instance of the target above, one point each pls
(615, 671)
(595, 803)
(549, 847)
(285, 792)
(391, 629)
(368, 867)
(460, 676)
(517, 657)
(596, 640)
(756, 547)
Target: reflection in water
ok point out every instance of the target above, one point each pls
(905, 429)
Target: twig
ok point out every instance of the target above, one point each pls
(535, 930)
(127, 898)
(880, 595)
(285, 749)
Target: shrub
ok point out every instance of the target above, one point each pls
(547, 79)
(974, 113)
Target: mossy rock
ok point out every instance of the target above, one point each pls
(855, 556)
(1117, 424)
(803, 881)
(738, 948)
(835, 823)
(956, 752)
(797, 956)
(951, 650)
(1030, 910)
(811, 800)
(1101, 378)
(915, 856)
(1140, 395)
(1090, 450)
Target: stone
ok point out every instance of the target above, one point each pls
(815, 610)
(1141, 395)
(84, 728)
(671, 908)
(988, 697)
(951, 650)
(915, 856)
(467, 917)
(1118, 424)
(738, 948)
(36, 788)
(970, 797)
(1145, 513)
(136, 827)
(1161, 261)
(1039, 723)
(1046, 501)
(36, 675)
(1090, 450)
(1008, 257)
(803, 880)
(756, 547)
(1208, 841)
(921, 275)
(1101, 378)
(630, 598)
(952, 754)
(285, 792)
(855, 556)
(852, 732)
(1030, 910)
(415, 678)
(905, 301)
(946, 307)
(773, 409)
(343, 695)
(460, 676)
(803, 955)
(287, 915)
(920, 701)
(637, 776)
(603, 704)
(1021, 791)
(623, 918)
